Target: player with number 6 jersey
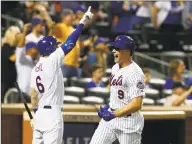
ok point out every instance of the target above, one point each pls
(121, 118)
(47, 87)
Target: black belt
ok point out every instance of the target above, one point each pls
(49, 107)
(124, 116)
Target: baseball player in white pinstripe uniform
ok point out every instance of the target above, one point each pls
(121, 118)
(47, 88)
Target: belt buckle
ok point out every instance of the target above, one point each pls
(47, 107)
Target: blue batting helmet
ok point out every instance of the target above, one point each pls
(47, 45)
(30, 45)
(123, 42)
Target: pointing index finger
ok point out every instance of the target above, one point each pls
(89, 9)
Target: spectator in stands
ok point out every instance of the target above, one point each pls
(8, 69)
(62, 31)
(31, 9)
(26, 55)
(70, 5)
(37, 29)
(143, 14)
(187, 16)
(147, 74)
(122, 15)
(167, 18)
(176, 69)
(79, 11)
(41, 11)
(96, 74)
(27, 12)
(179, 95)
(99, 53)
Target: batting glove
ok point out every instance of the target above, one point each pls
(87, 15)
(100, 112)
(108, 115)
(102, 109)
(106, 107)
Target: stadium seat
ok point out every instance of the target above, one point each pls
(75, 91)
(148, 101)
(187, 74)
(105, 80)
(65, 81)
(157, 83)
(100, 92)
(71, 99)
(189, 102)
(79, 82)
(12, 96)
(152, 93)
(108, 72)
(168, 56)
(166, 93)
(92, 100)
(160, 101)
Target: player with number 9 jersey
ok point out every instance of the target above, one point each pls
(121, 118)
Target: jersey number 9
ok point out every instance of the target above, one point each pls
(120, 94)
(40, 86)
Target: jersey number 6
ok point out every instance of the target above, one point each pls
(120, 94)
(40, 86)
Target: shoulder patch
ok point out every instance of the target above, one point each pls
(140, 85)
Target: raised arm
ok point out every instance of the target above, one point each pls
(21, 42)
(68, 45)
(20, 52)
(155, 11)
(182, 97)
(58, 56)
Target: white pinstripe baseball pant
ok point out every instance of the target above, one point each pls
(48, 126)
(106, 135)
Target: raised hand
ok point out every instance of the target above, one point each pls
(27, 27)
(86, 16)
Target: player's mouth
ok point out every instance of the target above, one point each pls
(116, 56)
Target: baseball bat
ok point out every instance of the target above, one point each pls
(24, 101)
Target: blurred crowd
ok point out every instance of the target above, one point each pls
(91, 56)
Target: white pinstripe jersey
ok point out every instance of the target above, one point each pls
(126, 84)
(47, 79)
